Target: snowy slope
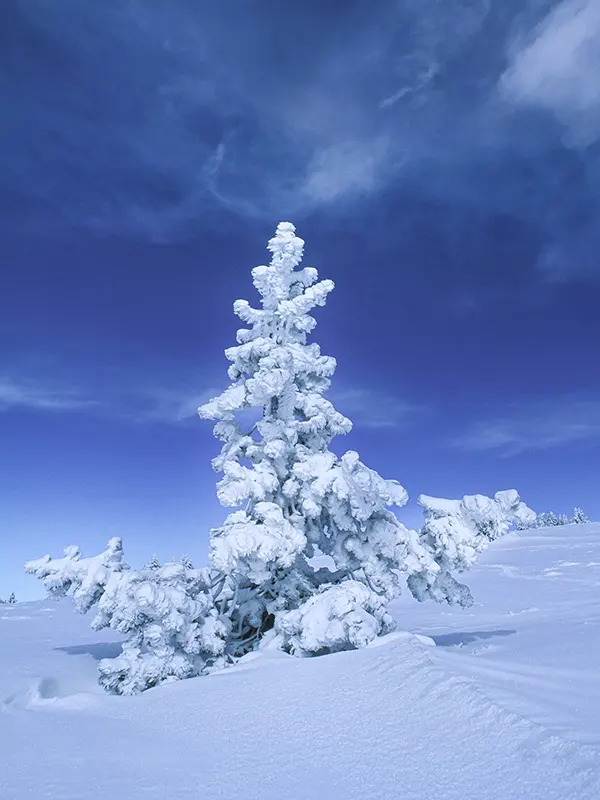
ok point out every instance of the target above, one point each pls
(512, 713)
(532, 640)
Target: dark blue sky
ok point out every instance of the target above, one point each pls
(442, 162)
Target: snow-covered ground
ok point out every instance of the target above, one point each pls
(506, 706)
(531, 643)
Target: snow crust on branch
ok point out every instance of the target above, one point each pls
(87, 578)
(455, 531)
(341, 617)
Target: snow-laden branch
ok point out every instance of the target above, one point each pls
(455, 531)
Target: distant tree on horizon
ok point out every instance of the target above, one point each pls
(549, 519)
(186, 561)
(579, 516)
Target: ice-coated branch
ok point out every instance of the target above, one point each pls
(341, 617)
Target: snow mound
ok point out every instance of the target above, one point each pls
(44, 693)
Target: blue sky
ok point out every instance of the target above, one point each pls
(442, 162)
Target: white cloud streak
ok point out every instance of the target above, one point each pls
(164, 405)
(373, 409)
(138, 404)
(14, 395)
(536, 427)
(151, 405)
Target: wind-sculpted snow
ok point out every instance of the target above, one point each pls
(293, 499)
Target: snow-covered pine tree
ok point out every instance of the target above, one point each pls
(300, 499)
(153, 563)
(562, 519)
(525, 525)
(186, 561)
(579, 516)
(548, 520)
(12, 598)
(295, 499)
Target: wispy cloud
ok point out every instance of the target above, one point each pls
(536, 426)
(190, 110)
(373, 409)
(14, 395)
(138, 404)
(557, 68)
(146, 119)
(143, 404)
(164, 405)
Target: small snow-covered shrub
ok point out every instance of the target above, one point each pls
(292, 499)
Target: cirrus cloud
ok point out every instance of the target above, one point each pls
(543, 425)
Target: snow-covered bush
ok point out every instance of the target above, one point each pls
(292, 499)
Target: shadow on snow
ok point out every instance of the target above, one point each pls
(99, 650)
(466, 637)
